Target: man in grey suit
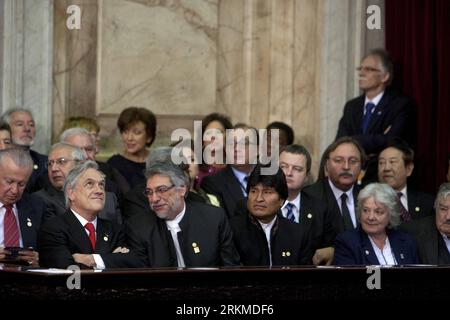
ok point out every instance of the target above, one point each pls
(62, 158)
(179, 233)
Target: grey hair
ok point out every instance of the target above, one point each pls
(160, 154)
(75, 132)
(74, 175)
(76, 153)
(6, 116)
(444, 192)
(19, 156)
(382, 194)
(176, 175)
(385, 60)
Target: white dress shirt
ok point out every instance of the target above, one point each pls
(350, 201)
(267, 228)
(174, 228)
(386, 256)
(295, 209)
(404, 198)
(375, 101)
(2, 224)
(241, 176)
(99, 264)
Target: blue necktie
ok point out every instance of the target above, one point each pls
(366, 118)
(290, 212)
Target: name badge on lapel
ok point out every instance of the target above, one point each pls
(195, 247)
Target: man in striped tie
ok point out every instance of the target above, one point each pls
(20, 214)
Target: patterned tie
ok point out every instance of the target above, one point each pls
(348, 224)
(290, 212)
(404, 214)
(10, 228)
(90, 227)
(366, 118)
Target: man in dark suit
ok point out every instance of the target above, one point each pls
(20, 213)
(432, 233)
(262, 236)
(62, 157)
(380, 113)
(339, 190)
(178, 233)
(23, 133)
(79, 236)
(395, 165)
(311, 213)
(230, 184)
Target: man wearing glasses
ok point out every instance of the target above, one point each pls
(61, 159)
(379, 114)
(179, 233)
(339, 190)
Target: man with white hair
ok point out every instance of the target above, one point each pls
(23, 134)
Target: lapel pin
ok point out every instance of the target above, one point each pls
(288, 254)
(417, 209)
(283, 254)
(402, 256)
(367, 252)
(105, 238)
(29, 222)
(35, 167)
(196, 248)
(309, 216)
(194, 244)
(379, 113)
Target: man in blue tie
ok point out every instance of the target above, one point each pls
(379, 114)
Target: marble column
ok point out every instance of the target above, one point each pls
(27, 28)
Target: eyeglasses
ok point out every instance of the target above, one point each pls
(341, 161)
(59, 162)
(368, 69)
(159, 191)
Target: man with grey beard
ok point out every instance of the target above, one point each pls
(339, 190)
(178, 233)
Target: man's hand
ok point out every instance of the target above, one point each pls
(86, 259)
(121, 250)
(30, 256)
(323, 256)
(3, 253)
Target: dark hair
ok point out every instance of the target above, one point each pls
(5, 126)
(298, 149)
(131, 115)
(403, 147)
(283, 127)
(276, 181)
(223, 119)
(386, 61)
(334, 146)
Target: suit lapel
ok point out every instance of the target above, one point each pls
(27, 229)
(398, 247)
(104, 237)
(359, 113)
(379, 111)
(79, 235)
(306, 213)
(233, 185)
(367, 249)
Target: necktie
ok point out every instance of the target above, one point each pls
(10, 228)
(90, 227)
(290, 212)
(348, 224)
(366, 118)
(404, 214)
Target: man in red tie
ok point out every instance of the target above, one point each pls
(20, 214)
(79, 236)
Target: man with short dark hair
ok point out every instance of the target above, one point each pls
(380, 113)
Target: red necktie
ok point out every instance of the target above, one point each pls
(90, 227)
(10, 228)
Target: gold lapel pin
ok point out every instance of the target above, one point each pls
(286, 253)
(29, 222)
(309, 216)
(196, 248)
(417, 209)
(106, 237)
(367, 252)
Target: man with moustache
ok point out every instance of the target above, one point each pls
(20, 213)
(79, 236)
(23, 133)
(380, 113)
(432, 233)
(178, 233)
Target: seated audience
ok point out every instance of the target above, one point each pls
(376, 241)
(5, 136)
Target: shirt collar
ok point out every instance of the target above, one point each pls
(295, 202)
(175, 222)
(83, 221)
(338, 192)
(375, 100)
(240, 176)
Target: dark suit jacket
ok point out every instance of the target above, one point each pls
(321, 190)
(204, 225)
(420, 204)
(226, 187)
(288, 242)
(430, 245)
(393, 110)
(63, 235)
(39, 170)
(31, 210)
(55, 200)
(354, 248)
